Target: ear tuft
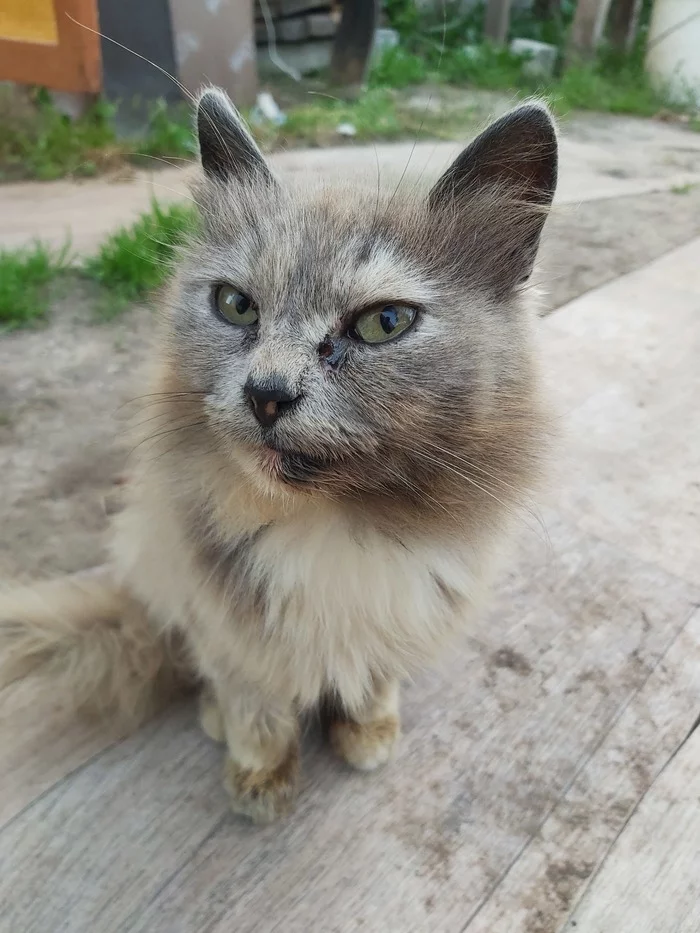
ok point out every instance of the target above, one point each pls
(227, 150)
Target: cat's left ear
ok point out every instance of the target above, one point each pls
(227, 149)
(514, 161)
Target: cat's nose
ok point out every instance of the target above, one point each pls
(269, 399)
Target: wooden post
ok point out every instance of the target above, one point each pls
(46, 43)
(586, 29)
(624, 20)
(497, 21)
(215, 44)
(353, 42)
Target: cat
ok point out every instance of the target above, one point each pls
(342, 415)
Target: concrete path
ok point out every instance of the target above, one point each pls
(549, 776)
(600, 158)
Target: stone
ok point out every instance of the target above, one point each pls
(540, 57)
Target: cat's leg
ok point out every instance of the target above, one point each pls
(261, 772)
(368, 738)
(210, 716)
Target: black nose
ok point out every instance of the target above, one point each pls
(269, 400)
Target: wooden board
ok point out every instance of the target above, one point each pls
(650, 883)
(140, 838)
(65, 59)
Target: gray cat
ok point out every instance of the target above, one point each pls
(343, 414)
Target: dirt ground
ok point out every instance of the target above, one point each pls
(61, 387)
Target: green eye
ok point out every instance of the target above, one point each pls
(381, 324)
(234, 306)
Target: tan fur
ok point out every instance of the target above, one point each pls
(347, 554)
(369, 739)
(92, 646)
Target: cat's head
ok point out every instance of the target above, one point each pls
(367, 346)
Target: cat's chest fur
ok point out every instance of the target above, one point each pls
(313, 599)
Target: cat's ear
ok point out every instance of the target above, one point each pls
(515, 161)
(227, 150)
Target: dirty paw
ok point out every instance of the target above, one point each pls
(365, 746)
(265, 795)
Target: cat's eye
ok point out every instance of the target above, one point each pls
(234, 306)
(383, 323)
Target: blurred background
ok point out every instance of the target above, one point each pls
(88, 84)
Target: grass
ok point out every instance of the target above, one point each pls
(25, 276)
(37, 141)
(136, 260)
(607, 84)
(130, 264)
(682, 189)
(445, 45)
(379, 114)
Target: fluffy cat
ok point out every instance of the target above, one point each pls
(342, 415)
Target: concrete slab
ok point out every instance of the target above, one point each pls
(623, 364)
(594, 165)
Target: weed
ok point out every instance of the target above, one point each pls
(682, 189)
(169, 132)
(37, 141)
(137, 259)
(373, 116)
(25, 275)
(398, 68)
(377, 115)
(597, 87)
(447, 46)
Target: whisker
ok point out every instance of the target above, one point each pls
(167, 74)
(159, 434)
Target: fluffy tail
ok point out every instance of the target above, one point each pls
(92, 646)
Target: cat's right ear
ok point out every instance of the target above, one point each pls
(227, 150)
(514, 162)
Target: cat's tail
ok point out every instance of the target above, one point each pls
(91, 646)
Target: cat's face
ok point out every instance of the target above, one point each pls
(358, 346)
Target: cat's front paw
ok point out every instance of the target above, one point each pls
(265, 795)
(368, 745)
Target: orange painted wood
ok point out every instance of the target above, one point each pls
(73, 63)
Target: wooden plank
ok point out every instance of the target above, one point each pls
(624, 22)
(490, 747)
(71, 63)
(141, 839)
(650, 883)
(548, 877)
(39, 748)
(353, 43)
(625, 377)
(497, 20)
(587, 29)
(130, 808)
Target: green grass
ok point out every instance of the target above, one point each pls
(609, 84)
(682, 189)
(432, 47)
(379, 114)
(37, 141)
(168, 132)
(25, 276)
(137, 259)
(130, 264)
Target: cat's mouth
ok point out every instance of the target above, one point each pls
(291, 466)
